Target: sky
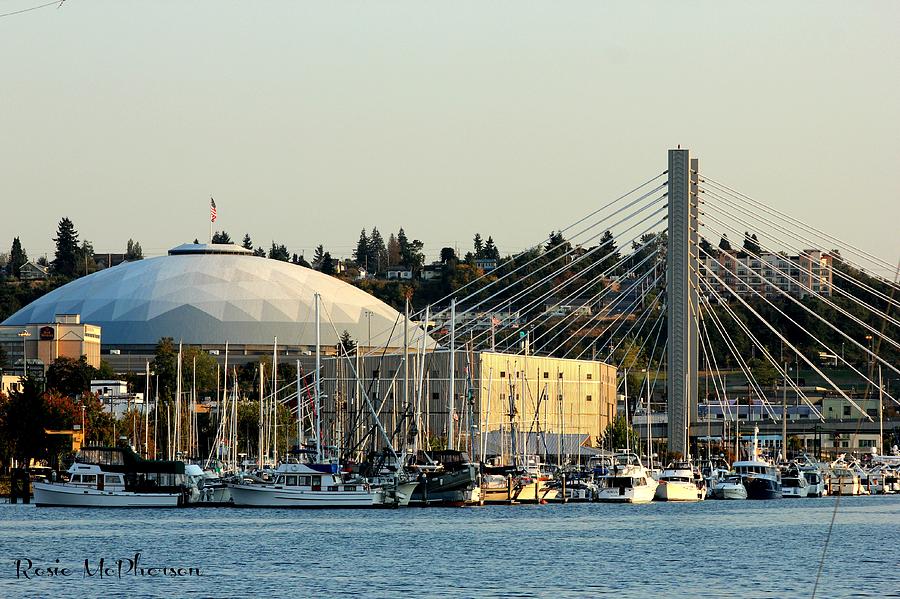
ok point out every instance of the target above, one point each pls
(308, 121)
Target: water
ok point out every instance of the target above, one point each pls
(715, 549)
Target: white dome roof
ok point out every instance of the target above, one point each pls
(213, 294)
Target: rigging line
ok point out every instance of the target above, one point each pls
(561, 269)
(18, 12)
(811, 311)
(593, 299)
(840, 259)
(356, 375)
(766, 354)
(790, 345)
(792, 248)
(796, 221)
(629, 311)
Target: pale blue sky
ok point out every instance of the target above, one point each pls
(308, 121)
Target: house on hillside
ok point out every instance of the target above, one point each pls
(31, 271)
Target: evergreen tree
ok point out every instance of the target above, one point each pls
(490, 249)
(327, 264)
(279, 252)
(318, 256)
(478, 245)
(751, 243)
(378, 254)
(247, 244)
(393, 251)
(259, 252)
(347, 342)
(196, 241)
(84, 261)
(607, 253)
(448, 255)
(403, 246)
(724, 244)
(133, 251)
(66, 255)
(17, 258)
(361, 254)
(222, 237)
(299, 260)
(706, 249)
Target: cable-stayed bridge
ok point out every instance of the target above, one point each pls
(650, 283)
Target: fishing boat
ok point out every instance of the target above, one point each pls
(211, 490)
(446, 477)
(760, 476)
(299, 485)
(794, 482)
(728, 487)
(679, 481)
(627, 481)
(117, 477)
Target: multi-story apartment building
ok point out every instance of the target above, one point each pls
(801, 275)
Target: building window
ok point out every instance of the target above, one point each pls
(589, 376)
(589, 398)
(503, 397)
(846, 410)
(502, 374)
(546, 375)
(559, 375)
(435, 395)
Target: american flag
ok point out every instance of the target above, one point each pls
(212, 210)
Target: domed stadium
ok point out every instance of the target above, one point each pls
(210, 294)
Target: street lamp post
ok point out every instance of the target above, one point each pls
(24, 335)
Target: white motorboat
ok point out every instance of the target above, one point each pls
(297, 485)
(116, 477)
(207, 488)
(794, 482)
(843, 479)
(627, 481)
(728, 487)
(680, 482)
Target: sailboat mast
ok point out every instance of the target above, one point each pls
(259, 450)
(275, 400)
(147, 412)
(318, 381)
(880, 412)
(452, 373)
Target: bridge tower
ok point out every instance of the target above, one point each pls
(682, 281)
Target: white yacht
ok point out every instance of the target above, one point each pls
(680, 482)
(794, 482)
(843, 479)
(116, 477)
(761, 477)
(627, 481)
(728, 487)
(308, 486)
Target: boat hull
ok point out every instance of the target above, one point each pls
(268, 496)
(62, 495)
(447, 488)
(763, 488)
(737, 492)
(678, 491)
(639, 494)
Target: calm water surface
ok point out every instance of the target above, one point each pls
(713, 549)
